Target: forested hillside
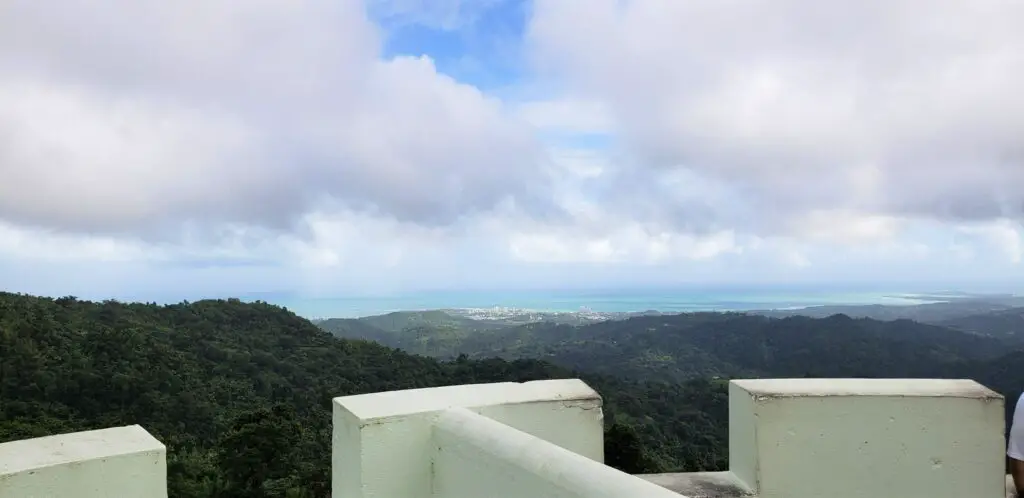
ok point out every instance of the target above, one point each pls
(676, 347)
(673, 348)
(1005, 324)
(946, 307)
(225, 384)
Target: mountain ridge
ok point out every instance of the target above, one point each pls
(681, 346)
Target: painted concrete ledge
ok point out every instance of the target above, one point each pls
(722, 484)
(384, 443)
(941, 438)
(477, 455)
(700, 484)
(811, 387)
(107, 463)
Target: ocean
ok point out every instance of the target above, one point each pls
(566, 301)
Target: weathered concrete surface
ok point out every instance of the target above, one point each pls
(722, 484)
(939, 438)
(700, 484)
(384, 447)
(805, 387)
(478, 457)
(106, 463)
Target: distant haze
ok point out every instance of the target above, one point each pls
(566, 301)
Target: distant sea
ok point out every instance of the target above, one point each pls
(611, 302)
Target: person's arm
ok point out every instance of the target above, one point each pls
(1015, 448)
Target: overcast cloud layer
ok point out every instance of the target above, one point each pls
(226, 147)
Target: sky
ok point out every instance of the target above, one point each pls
(155, 150)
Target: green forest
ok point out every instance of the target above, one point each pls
(240, 392)
(672, 348)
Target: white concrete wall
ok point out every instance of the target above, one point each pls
(108, 463)
(478, 457)
(383, 444)
(789, 438)
(852, 438)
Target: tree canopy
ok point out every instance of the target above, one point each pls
(240, 393)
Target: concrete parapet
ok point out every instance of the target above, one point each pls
(384, 446)
(852, 438)
(107, 463)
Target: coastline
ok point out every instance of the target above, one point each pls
(552, 303)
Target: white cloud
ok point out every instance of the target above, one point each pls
(152, 113)
(23, 244)
(845, 227)
(567, 116)
(878, 107)
(1004, 237)
(72, 160)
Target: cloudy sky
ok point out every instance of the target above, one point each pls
(153, 149)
